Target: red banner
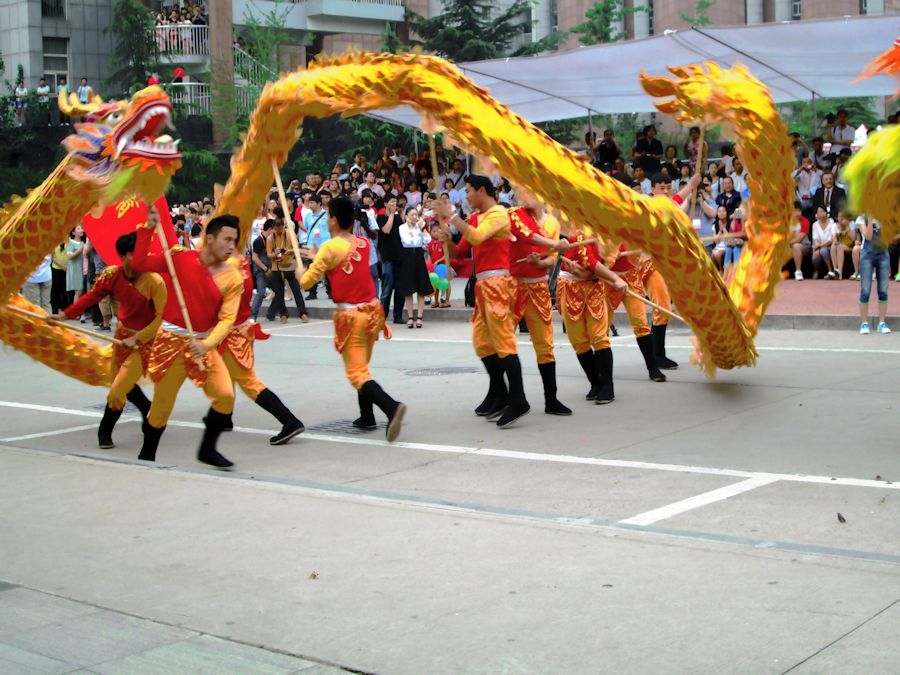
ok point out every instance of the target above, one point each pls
(121, 218)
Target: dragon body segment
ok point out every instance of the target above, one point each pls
(724, 327)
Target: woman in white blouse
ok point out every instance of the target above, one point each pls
(823, 233)
(413, 278)
(739, 176)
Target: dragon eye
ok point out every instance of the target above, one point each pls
(114, 117)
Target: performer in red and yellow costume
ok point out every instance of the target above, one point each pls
(535, 231)
(582, 301)
(141, 299)
(623, 266)
(359, 315)
(237, 353)
(213, 288)
(494, 321)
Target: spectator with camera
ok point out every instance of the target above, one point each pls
(874, 259)
(808, 178)
(281, 256)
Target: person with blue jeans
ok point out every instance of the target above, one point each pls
(261, 266)
(874, 257)
(391, 249)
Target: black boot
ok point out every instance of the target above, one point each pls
(208, 454)
(151, 442)
(645, 343)
(613, 331)
(290, 425)
(518, 405)
(138, 400)
(497, 397)
(366, 419)
(393, 409)
(228, 424)
(659, 348)
(104, 432)
(606, 393)
(552, 406)
(589, 366)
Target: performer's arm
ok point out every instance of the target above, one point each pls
(102, 288)
(603, 272)
(153, 287)
(231, 284)
(489, 226)
(329, 256)
(142, 260)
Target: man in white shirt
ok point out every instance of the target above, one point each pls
(642, 180)
(808, 178)
(37, 287)
(398, 157)
(841, 134)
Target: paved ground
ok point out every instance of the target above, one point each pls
(691, 526)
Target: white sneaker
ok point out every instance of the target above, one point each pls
(831, 275)
(864, 328)
(883, 328)
(798, 275)
(854, 276)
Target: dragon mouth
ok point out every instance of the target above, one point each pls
(139, 136)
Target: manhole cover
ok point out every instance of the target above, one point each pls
(340, 427)
(452, 370)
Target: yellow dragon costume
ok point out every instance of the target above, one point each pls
(724, 320)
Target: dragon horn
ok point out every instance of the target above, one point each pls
(72, 107)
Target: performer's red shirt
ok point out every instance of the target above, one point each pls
(491, 244)
(586, 256)
(523, 227)
(347, 265)
(136, 309)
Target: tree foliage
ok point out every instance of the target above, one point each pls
(135, 51)
(601, 21)
(700, 17)
(390, 41)
(265, 32)
(471, 30)
(199, 171)
(799, 114)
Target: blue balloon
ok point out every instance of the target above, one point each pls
(440, 270)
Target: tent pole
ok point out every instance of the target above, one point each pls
(416, 143)
(591, 124)
(815, 115)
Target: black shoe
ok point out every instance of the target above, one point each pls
(497, 408)
(613, 330)
(645, 343)
(137, 398)
(227, 425)
(606, 393)
(106, 328)
(207, 453)
(589, 365)
(107, 423)
(366, 419)
(552, 406)
(312, 297)
(659, 348)
(394, 410)
(511, 414)
(497, 397)
(151, 442)
(290, 425)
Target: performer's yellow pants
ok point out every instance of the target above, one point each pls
(126, 378)
(637, 316)
(243, 377)
(658, 292)
(533, 304)
(493, 322)
(581, 303)
(355, 333)
(218, 388)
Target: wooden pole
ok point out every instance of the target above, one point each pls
(63, 324)
(288, 222)
(698, 170)
(652, 304)
(437, 191)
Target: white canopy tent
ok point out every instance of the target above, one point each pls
(798, 61)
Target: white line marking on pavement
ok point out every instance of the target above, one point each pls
(695, 502)
(621, 341)
(516, 454)
(311, 322)
(59, 432)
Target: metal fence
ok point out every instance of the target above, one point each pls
(178, 40)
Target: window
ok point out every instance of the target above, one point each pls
(53, 8)
(554, 16)
(650, 14)
(796, 13)
(863, 7)
(56, 60)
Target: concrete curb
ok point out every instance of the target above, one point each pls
(774, 321)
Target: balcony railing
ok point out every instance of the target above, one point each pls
(390, 3)
(175, 40)
(251, 70)
(54, 9)
(195, 98)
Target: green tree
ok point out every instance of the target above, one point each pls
(200, 170)
(700, 17)
(470, 30)
(135, 51)
(602, 18)
(390, 41)
(799, 114)
(265, 32)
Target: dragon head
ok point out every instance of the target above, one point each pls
(121, 145)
